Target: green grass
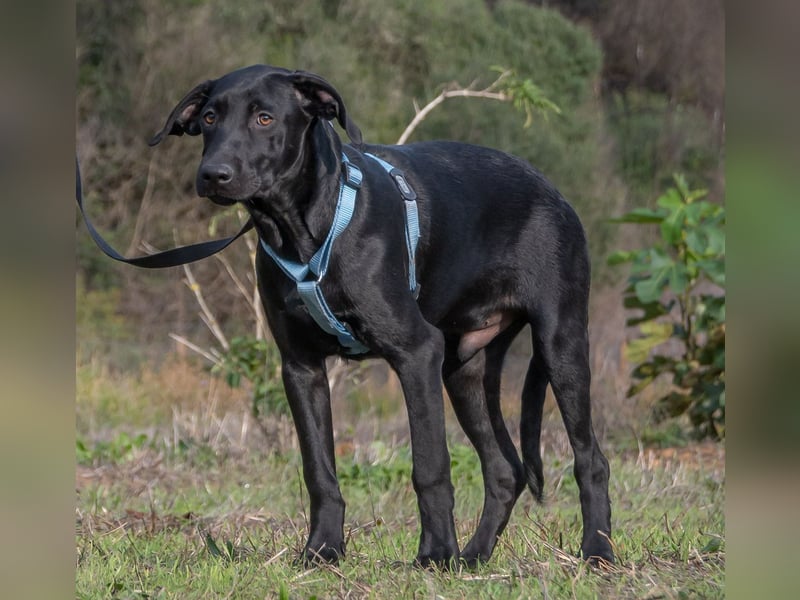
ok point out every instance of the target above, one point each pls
(191, 524)
(191, 507)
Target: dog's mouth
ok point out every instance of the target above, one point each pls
(226, 194)
(222, 200)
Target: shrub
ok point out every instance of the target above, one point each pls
(256, 361)
(678, 285)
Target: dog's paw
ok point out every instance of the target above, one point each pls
(598, 552)
(326, 555)
(439, 558)
(472, 560)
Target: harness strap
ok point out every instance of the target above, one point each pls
(312, 296)
(345, 206)
(412, 218)
(308, 289)
(308, 276)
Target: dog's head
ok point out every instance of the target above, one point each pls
(254, 123)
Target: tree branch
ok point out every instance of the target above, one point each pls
(208, 355)
(506, 88)
(208, 317)
(459, 93)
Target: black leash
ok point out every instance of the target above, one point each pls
(168, 258)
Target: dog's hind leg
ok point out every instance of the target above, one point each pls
(561, 340)
(495, 354)
(530, 425)
(474, 390)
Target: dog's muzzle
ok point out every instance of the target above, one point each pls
(216, 182)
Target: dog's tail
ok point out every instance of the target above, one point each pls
(533, 395)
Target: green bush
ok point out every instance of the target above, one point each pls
(257, 361)
(678, 285)
(655, 137)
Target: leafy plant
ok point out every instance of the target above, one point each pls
(678, 285)
(257, 361)
(116, 450)
(525, 95)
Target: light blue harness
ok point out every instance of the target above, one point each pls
(308, 276)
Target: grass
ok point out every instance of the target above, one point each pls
(180, 499)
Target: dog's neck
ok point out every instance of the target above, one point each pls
(296, 216)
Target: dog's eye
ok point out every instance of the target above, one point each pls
(263, 119)
(209, 118)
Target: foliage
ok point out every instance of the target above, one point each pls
(129, 82)
(526, 96)
(97, 315)
(656, 137)
(136, 58)
(391, 468)
(257, 361)
(120, 448)
(665, 117)
(101, 327)
(678, 285)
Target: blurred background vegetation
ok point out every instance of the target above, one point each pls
(640, 86)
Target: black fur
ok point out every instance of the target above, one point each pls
(500, 249)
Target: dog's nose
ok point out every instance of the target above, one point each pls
(219, 174)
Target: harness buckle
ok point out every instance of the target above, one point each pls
(353, 175)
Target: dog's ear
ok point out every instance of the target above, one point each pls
(183, 118)
(321, 99)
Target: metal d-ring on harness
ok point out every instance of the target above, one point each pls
(308, 276)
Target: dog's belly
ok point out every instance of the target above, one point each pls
(475, 339)
(475, 335)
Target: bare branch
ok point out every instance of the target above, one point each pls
(524, 94)
(418, 118)
(195, 348)
(240, 286)
(208, 317)
(255, 300)
(455, 92)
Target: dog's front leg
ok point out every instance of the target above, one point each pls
(417, 360)
(306, 385)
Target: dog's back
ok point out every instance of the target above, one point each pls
(494, 212)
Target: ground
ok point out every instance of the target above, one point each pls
(198, 501)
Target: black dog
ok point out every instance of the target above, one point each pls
(499, 249)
